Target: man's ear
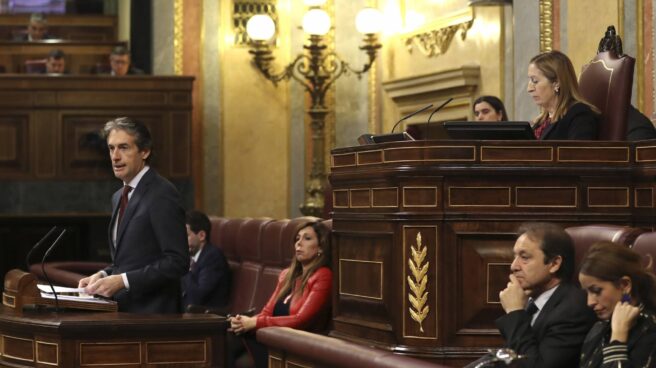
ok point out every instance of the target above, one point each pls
(202, 235)
(145, 153)
(556, 263)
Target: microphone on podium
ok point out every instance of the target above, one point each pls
(37, 246)
(43, 269)
(392, 137)
(411, 115)
(433, 113)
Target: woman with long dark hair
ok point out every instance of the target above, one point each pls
(623, 295)
(301, 299)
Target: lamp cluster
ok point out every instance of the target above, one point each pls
(316, 69)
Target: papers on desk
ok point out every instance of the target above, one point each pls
(72, 294)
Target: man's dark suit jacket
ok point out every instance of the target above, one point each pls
(556, 337)
(579, 122)
(208, 281)
(151, 247)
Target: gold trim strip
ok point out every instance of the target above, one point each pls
(480, 205)
(289, 362)
(357, 158)
(384, 188)
(546, 25)
(635, 197)
(420, 205)
(332, 159)
(404, 290)
(487, 281)
(348, 198)
(8, 300)
(178, 36)
(625, 149)
(638, 153)
(576, 198)
(626, 189)
(483, 159)
(203, 342)
(15, 357)
(473, 148)
(361, 190)
(38, 342)
(382, 274)
(109, 343)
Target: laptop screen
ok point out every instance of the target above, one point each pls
(486, 130)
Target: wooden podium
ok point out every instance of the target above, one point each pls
(44, 338)
(423, 231)
(20, 290)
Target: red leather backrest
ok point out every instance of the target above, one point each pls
(585, 236)
(272, 244)
(645, 245)
(606, 82)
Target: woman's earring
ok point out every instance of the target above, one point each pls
(626, 298)
(557, 90)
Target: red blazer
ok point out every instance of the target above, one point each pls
(310, 312)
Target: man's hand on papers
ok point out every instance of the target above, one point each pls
(105, 286)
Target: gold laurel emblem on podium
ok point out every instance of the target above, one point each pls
(418, 282)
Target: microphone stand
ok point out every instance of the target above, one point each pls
(43, 269)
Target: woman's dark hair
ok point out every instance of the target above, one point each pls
(610, 262)
(496, 104)
(321, 260)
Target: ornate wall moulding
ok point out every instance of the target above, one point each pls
(435, 38)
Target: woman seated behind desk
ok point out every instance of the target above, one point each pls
(623, 295)
(302, 298)
(564, 113)
(489, 108)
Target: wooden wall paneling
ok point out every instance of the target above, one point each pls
(180, 143)
(14, 144)
(475, 204)
(365, 259)
(44, 143)
(84, 152)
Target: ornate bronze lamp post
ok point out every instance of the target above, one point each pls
(316, 70)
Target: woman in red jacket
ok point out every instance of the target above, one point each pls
(302, 297)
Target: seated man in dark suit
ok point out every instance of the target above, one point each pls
(56, 62)
(37, 29)
(639, 126)
(547, 317)
(121, 64)
(208, 280)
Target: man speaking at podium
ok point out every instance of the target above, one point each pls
(147, 233)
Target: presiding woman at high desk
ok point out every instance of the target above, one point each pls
(623, 295)
(302, 298)
(564, 113)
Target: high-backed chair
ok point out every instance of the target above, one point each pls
(585, 236)
(606, 82)
(645, 245)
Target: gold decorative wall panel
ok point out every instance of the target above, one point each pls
(546, 25)
(435, 38)
(243, 10)
(420, 311)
